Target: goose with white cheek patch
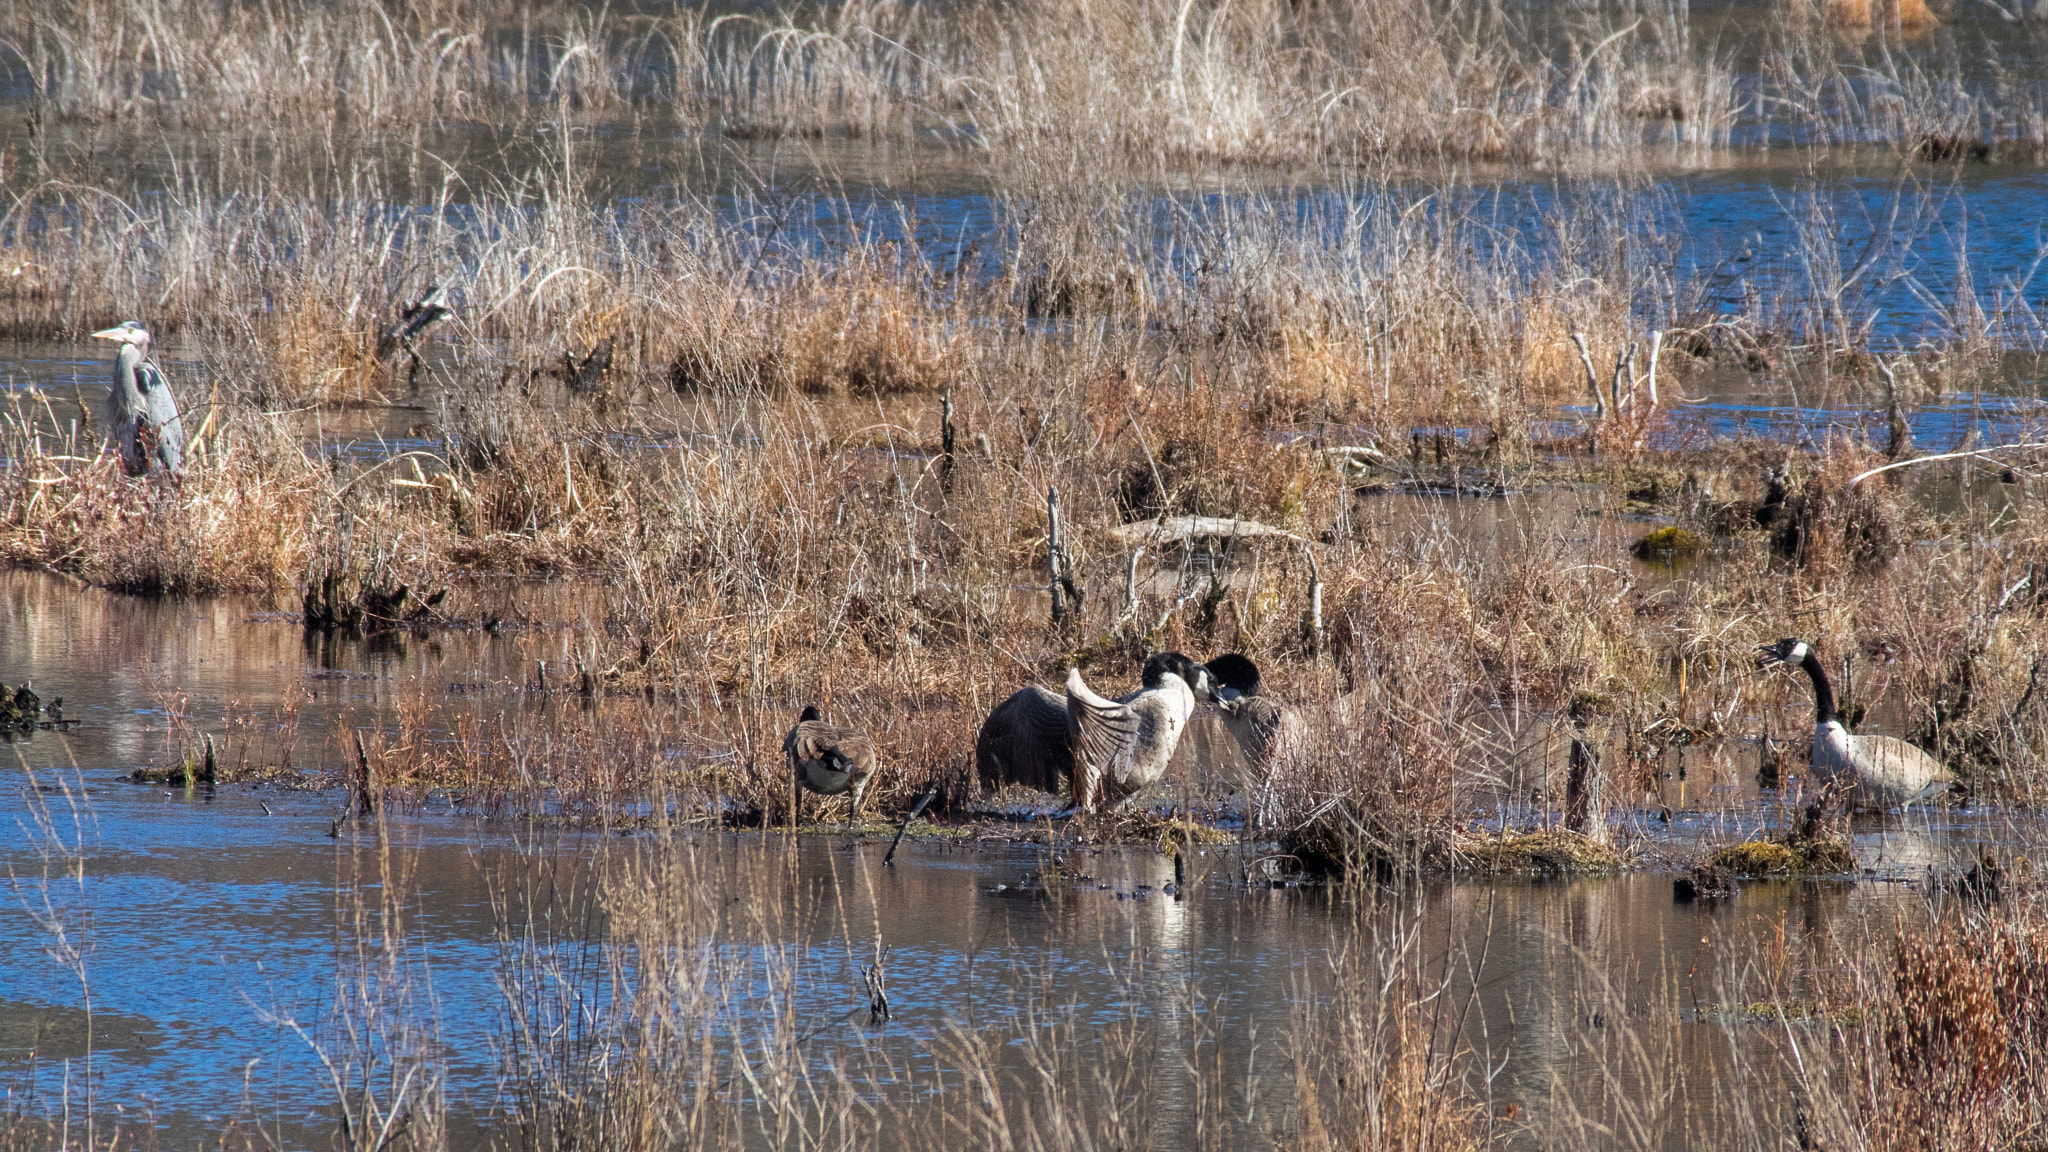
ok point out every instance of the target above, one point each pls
(828, 760)
(1120, 746)
(1872, 772)
(1030, 738)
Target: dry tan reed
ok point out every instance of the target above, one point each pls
(1049, 87)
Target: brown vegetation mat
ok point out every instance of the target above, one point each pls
(806, 472)
(1787, 857)
(1545, 853)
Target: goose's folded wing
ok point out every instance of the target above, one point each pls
(856, 751)
(810, 740)
(1104, 731)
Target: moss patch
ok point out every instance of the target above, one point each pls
(1669, 541)
(1547, 853)
(1778, 1011)
(190, 775)
(1792, 856)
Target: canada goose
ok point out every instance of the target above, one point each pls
(142, 415)
(828, 760)
(1874, 772)
(1235, 675)
(1029, 739)
(1122, 745)
(1268, 732)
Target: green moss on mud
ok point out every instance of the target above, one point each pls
(1670, 541)
(1819, 855)
(1546, 853)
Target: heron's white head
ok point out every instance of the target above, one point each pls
(131, 332)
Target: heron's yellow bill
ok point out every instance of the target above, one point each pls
(124, 335)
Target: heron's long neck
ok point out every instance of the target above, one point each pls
(127, 368)
(1823, 692)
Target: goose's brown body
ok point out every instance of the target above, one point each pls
(830, 760)
(1868, 772)
(1270, 735)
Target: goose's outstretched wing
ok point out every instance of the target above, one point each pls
(1024, 741)
(1105, 734)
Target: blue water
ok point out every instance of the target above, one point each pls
(200, 928)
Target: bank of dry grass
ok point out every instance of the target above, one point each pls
(756, 475)
(1052, 86)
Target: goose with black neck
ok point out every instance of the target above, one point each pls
(1870, 773)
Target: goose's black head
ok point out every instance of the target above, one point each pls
(1235, 671)
(1790, 650)
(1196, 675)
(810, 713)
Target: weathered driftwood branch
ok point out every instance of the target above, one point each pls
(1315, 603)
(946, 441)
(1353, 454)
(1624, 370)
(1592, 375)
(1862, 476)
(1179, 529)
(1656, 347)
(1620, 392)
(930, 794)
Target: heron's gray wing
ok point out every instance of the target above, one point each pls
(1105, 733)
(1024, 741)
(160, 415)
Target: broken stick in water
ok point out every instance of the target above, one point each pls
(930, 795)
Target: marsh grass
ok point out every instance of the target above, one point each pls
(1144, 81)
(756, 478)
(703, 1018)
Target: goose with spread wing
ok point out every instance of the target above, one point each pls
(1123, 745)
(1873, 772)
(1032, 738)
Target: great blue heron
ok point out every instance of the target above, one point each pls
(142, 415)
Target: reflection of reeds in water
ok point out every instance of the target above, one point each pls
(706, 992)
(696, 1020)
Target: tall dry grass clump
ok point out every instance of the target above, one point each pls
(243, 519)
(1055, 89)
(678, 1012)
(1271, 83)
(1380, 1062)
(1968, 1030)
(363, 62)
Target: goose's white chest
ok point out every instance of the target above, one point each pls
(1833, 755)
